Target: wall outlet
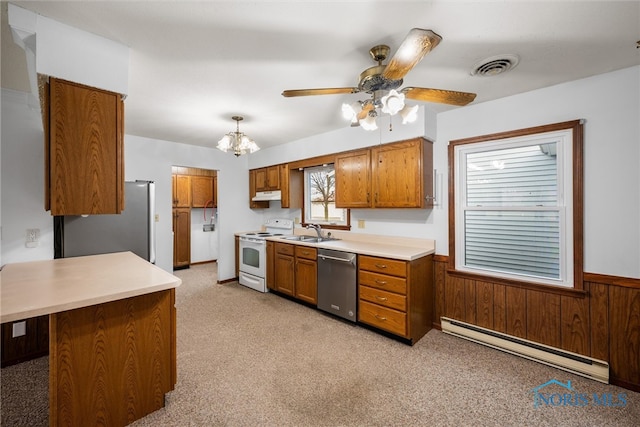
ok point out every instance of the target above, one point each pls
(32, 238)
(361, 223)
(208, 227)
(19, 329)
(156, 218)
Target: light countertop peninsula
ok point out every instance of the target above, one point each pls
(36, 288)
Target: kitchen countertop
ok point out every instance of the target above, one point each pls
(402, 248)
(36, 288)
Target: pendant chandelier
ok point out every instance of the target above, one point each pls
(237, 141)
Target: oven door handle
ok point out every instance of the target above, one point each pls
(251, 240)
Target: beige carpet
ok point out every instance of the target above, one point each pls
(252, 359)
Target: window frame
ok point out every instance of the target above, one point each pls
(305, 202)
(576, 213)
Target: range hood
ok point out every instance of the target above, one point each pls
(262, 196)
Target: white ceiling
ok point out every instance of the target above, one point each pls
(195, 64)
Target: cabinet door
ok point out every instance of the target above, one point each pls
(84, 173)
(261, 179)
(271, 265)
(273, 178)
(306, 280)
(181, 237)
(253, 180)
(215, 190)
(284, 274)
(353, 179)
(182, 191)
(397, 175)
(201, 191)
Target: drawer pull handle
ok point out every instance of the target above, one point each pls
(380, 317)
(380, 298)
(381, 282)
(381, 266)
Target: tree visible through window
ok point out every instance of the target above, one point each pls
(320, 197)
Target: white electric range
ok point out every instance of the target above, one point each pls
(253, 252)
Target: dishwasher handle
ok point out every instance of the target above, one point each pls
(327, 257)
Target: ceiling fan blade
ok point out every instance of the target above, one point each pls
(439, 95)
(365, 111)
(325, 91)
(414, 47)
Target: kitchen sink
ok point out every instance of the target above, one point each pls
(310, 239)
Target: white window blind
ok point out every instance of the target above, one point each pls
(511, 218)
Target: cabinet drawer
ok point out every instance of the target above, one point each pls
(306, 252)
(382, 281)
(383, 265)
(384, 318)
(284, 248)
(388, 299)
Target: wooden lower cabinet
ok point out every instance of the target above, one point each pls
(181, 237)
(34, 343)
(295, 271)
(396, 296)
(112, 363)
(306, 274)
(284, 275)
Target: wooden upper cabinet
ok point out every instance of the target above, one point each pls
(268, 179)
(181, 191)
(84, 156)
(353, 179)
(201, 191)
(395, 175)
(252, 191)
(402, 174)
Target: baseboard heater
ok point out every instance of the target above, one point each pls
(578, 364)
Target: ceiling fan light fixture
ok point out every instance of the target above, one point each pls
(237, 141)
(350, 111)
(369, 122)
(393, 102)
(409, 114)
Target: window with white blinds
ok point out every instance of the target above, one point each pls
(512, 219)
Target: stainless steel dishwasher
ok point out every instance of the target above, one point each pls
(337, 283)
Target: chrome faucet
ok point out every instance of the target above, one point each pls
(316, 227)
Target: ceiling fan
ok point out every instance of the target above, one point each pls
(382, 81)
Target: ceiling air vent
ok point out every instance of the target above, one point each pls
(495, 65)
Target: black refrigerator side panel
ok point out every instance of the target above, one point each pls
(99, 234)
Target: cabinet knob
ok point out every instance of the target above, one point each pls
(380, 317)
(381, 266)
(381, 282)
(380, 298)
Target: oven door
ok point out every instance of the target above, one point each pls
(253, 256)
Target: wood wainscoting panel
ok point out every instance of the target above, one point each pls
(624, 334)
(599, 319)
(574, 327)
(543, 318)
(516, 302)
(112, 363)
(603, 322)
(454, 298)
(470, 301)
(440, 274)
(499, 308)
(484, 304)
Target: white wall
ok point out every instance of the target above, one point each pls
(610, 104)
(22, 181)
